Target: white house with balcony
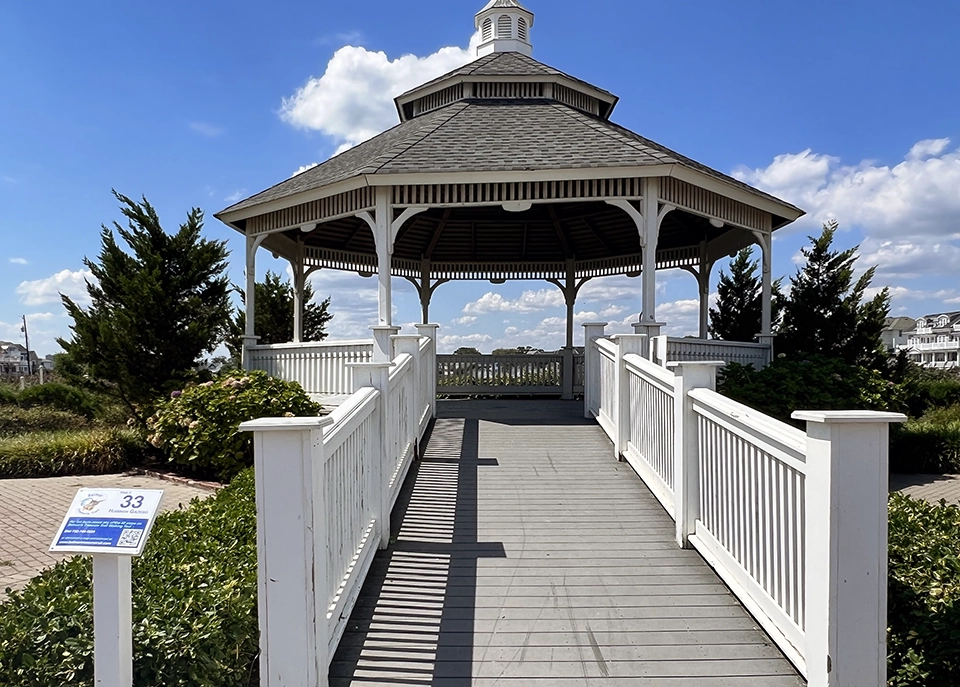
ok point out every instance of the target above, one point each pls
(935, 341)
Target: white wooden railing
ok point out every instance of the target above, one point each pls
(325, 489)
(669, 349)
(794, 523)
(540, 374)
(321, 368)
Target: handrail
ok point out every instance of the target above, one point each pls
(325, 491)
(793, 522)
(607, 348)
(656, 374)
(311, 344)
(788, 443)
(348, 416)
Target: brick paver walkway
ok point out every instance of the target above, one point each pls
(32, 509)
(929, 487)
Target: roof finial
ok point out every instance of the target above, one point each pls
(504, 26)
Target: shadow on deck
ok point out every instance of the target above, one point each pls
(525, 554)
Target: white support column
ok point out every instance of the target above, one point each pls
(291, 550)
(384, 256)
(686, 445)
(626, 343)
(430, 331)
(377, 375)
(112, 621)
(250, 298)
(765, 241)
(651, 235)
(591, 368)
(846, 546)
(703, 282)
(426, 292)
(299, 278)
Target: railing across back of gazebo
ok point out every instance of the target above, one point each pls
(540, 374)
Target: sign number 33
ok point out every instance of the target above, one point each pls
(131, 501)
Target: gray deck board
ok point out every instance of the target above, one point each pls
(525, 554)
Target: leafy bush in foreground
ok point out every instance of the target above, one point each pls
(194, 606)
(17, 420)
(79, 452)
(928, 444)
(198, 427)
(58, 396)
(923, 615)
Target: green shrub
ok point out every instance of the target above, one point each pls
(198, 427)
(16, 420)
(7, 395)
(815, 383)
(79, 452)
(923, 637)
(928, 444)
(931, 389)
(59, 396)
(194, 606)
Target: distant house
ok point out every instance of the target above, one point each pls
(935, 341)
(13, 358)
(895, 331)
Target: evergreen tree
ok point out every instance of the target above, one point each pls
(738, 315)
(274, 315)
(825, 313)
(156, 306)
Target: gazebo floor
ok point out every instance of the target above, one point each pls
(525, 554)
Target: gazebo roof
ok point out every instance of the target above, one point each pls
(509, 168)
(494, 135)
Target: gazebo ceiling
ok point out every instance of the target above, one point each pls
(510, 164)
(551, 233)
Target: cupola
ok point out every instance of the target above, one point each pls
(504, 26)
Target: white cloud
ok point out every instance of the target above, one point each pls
(920, 196)
(929, 148)
(451, 342)
(205, 129)
(528, 302)
(910, 257)
(42, 291)
(466, 319)
(304, 168)
(18, 261)
(352, 100)
(236, 196)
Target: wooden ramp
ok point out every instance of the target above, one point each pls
(525, 554)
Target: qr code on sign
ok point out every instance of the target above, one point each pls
(130, 538)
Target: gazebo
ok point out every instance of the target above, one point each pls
(507, 169)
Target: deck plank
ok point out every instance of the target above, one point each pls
(525, 554)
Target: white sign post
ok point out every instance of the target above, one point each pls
(113, 525)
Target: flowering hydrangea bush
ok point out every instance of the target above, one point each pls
(197, 427)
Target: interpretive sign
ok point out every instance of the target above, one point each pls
(108, 521)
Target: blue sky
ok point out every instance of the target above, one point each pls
(849, 110)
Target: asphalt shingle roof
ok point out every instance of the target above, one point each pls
(492, 136)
